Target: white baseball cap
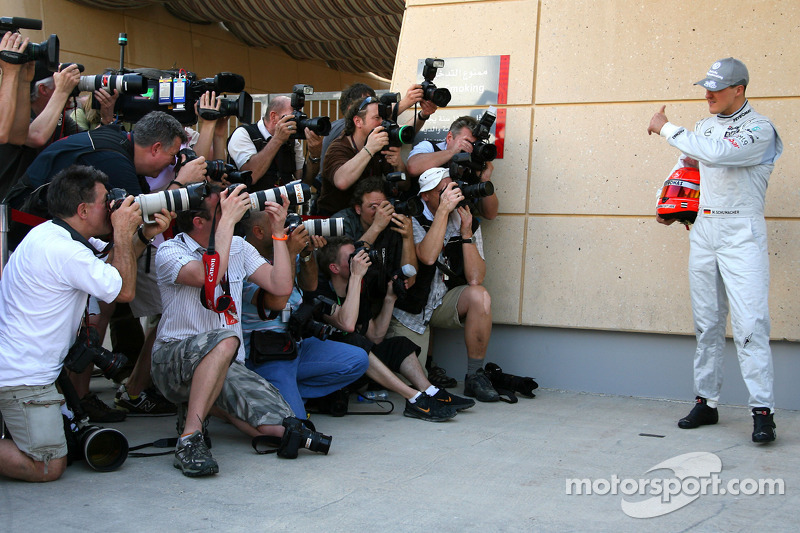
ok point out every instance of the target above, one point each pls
(431, 178)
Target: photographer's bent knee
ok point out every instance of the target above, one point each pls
(478, 299)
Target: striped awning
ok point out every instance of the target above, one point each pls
(349, 35)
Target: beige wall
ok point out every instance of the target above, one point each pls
(159, 40)
(576, 244)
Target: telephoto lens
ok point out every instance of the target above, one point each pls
(126, 83)
(296, 192)
(182, 199)
(325, 227)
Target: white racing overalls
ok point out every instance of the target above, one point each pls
(728, 260)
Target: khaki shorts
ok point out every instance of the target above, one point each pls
(444, 316)
(33, 417)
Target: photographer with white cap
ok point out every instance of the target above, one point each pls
(448, 291)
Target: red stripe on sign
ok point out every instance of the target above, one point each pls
(26, 218)
(502, 82)
(500, 132)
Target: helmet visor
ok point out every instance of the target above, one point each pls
(677, 188)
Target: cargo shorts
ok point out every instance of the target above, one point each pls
(33, 417)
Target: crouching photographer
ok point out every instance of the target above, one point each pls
(299, 363)
(343, 269)
(43, 297)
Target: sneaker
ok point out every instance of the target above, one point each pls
(439, 378)
(700, 415)
(426, 408)
(478, 386)
(99, 411)
(193, 458)
(149, 403)
(763, 425)
(452, 400)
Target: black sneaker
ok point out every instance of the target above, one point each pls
(452, 400)
(149, 403)
(439, 378)
(99, 411)
(426, 408)
(700, 415)
(193, 458)
(478, 386)
(763, 425)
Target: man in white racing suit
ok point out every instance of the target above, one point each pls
(735, 151)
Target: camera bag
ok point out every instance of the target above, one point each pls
(266, 346)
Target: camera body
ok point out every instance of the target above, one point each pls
(411, 206)
(440, 97)
(474, 191)
(306, 320)
(298, 435)
(216, 169)
(87, 349)
(373, 254)
(398, 135)
(46, 51)
(318, 125)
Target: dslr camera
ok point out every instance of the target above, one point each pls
(440, 97)
(46, 51)
(412, 206)
(466, 165)
(319, 125)
(216, 169)
(306, 320)
(387, 109)
(88, 349)
(372, 253)
(298, 435)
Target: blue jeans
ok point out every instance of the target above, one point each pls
(320, 368)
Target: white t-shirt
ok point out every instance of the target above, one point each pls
(241, 147)
(43, 295)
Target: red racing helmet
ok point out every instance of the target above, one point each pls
(680, 196)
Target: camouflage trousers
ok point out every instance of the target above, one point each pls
(245, 394)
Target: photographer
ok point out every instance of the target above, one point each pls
(426, 155)
(43, 297)
(319, 367)
(198, 354)
(267, 150)
(373, 219)
(342, 272)
(358, 91)
(125, 157)
(361, 152)
(40, 104)
(448, 291)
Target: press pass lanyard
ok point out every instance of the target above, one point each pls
(224, 304)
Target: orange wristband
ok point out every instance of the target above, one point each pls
(284, 238)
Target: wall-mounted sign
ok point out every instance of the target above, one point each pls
(474, 82)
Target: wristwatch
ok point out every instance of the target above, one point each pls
(467, 241)
(305, 258)
(314, 159)
(140, 234)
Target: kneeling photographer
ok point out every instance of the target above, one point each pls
(43, 298)
(300, 368)
(465, 150)
(343, 268)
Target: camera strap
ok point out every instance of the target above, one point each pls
(81, 239)
(224, 304)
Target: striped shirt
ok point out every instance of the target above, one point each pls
(184, 315)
